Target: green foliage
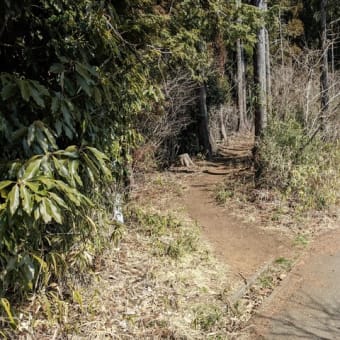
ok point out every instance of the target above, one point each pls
(207, 317)
(70, 89)
(222, 194)
(168, 236)
(301, 241)
(73, 78)
(303, 168)
(284, 263)
(42, 211)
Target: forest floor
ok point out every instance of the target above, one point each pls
(204, 255)
(303, 299)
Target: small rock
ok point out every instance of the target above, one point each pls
(282, 276)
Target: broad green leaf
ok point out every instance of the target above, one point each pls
(66, 114)
(42, 140)
(32, 169)
(33, 185)
(80, 67)
(54, 211)
(61, 169)
(69, 152)
(58, 200)
(37, 213)
(73, 167)
(50, 137)
(69, 131)
(91, 165)
(24, 89)
(90, 174)
(31, 134)
(83, 72)
(43, 211)
(14, 199)
(26, 199)
(46, 166)
(58, 127)
(84, 85)
(40, 88)
(71, 148)
(48, 182)
(99, 160)
(5, 184)
(98, 154)
(37, 97)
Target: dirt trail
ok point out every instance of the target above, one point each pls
(245, 247)
(307, 304)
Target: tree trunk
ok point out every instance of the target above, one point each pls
(204, 123)
(268, 75)
(324, 79)
(223, 130)
(261, 103)
(260, 77)
(241, 84)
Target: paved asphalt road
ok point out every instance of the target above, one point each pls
(307, 306)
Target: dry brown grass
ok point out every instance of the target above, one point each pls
(139, 292)
(270, 210)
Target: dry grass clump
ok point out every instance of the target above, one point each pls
(270, 209)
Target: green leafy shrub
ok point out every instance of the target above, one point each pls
(305, 169)
(69, 91)
(42, 213)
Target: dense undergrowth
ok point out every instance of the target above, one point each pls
(299, 183)
(304, 168)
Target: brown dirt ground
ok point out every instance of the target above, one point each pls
(303, 305)
(246, 247)
(243, 246)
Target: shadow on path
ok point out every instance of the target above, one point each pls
(310, 319)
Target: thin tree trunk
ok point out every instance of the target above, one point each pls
(268, 75)
(281, 41)
(241, 84)
(261, 103)
(260, 78)
(324, 79)
(204, 122)
(223, 130)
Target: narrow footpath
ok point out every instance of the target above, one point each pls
(307, 303)
(244, 247)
